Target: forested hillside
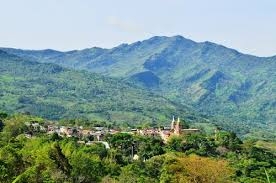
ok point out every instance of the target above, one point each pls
(239, 90)
(51, 91)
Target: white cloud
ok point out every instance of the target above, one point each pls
(129, 27)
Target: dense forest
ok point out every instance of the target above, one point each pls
(201, 157)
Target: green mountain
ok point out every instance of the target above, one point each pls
(54, 92)
(237, 89)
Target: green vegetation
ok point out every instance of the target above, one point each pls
(237, 89)
(191, 158)
(152, 80)
(54, 92)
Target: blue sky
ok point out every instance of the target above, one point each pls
(246, 25)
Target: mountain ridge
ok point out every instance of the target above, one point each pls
(214, 79)
(137, 42)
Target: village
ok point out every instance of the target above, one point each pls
(97, 134)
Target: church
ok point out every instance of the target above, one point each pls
(175, 126)
(175, 130)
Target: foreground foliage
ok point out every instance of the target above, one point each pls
(191, 158)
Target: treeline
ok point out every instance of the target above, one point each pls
(220, 157)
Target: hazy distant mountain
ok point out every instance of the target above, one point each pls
(214, 79)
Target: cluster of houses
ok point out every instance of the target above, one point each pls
(97, 133)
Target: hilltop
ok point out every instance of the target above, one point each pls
(235, 88)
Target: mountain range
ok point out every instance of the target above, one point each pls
(236, 89)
